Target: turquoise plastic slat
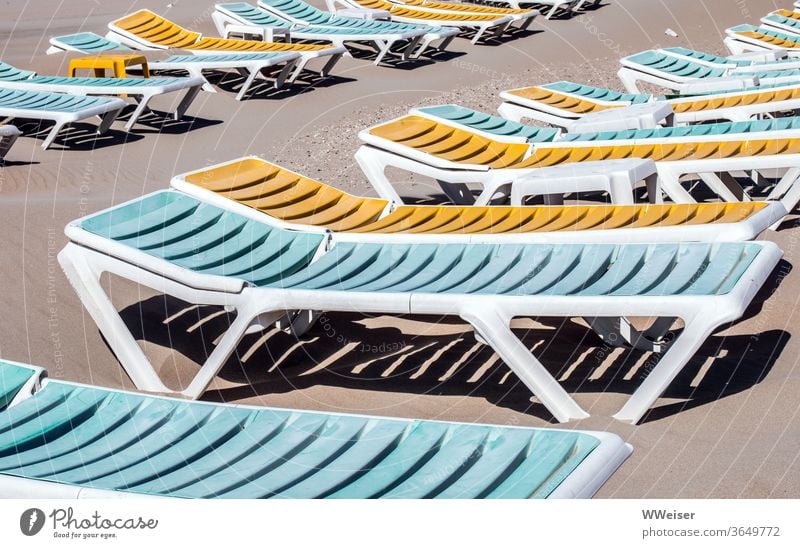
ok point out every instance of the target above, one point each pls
(491, 124)
(44, 101)
(89, 42)
(12, 378)
(597, 93)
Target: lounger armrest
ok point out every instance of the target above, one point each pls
(761, 56)
(725, 83)
(267, 34)
(364, 13)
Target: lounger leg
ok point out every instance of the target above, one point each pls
(141, 107)
(301, 64)
(326, 70)
(85, 279)
(253, 74)
(478, 34)
(108, 119)
(495, 330)
(789, 198)
(52, 135)
(676, 357)
(619, 332)
(408, 51)
(187, 100)
(374, 170)
(280, 80)
(725, 187)
(383, 49)
(552, 11)
(671, 185)
(526, 23)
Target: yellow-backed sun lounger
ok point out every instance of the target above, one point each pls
(458, 156)
(480, 23)
(147, 30)
(561, 103)
(267, 192)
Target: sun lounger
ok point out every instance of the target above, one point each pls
(548, 8)
(250, 65)
(750, 38)
(8, 134)
(678, 73)
(201, 254)
(562, 103)
(147, 30)
(143, 89)
(478, 23)
(457, 156)
(518, 15)
(246, 19)
(266, 192)
(112, 443)
(60, 108)
(786, 21)
(298, 12)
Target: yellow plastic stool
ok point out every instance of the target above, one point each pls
(117, 62)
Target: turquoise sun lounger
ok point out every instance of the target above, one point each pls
(683, 74)
(58, 107)
(143, 89)
(68, 440)
(203, 254)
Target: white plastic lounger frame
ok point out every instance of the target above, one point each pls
(108, 111)
(249, 65)
(229, 23)
(88, 256)
(443, 35)
(142, 93)
(495, 28)
(377, 154)
(744, 230)
(8, 135)
(304, 57)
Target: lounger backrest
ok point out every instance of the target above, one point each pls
(598, 94)
(491, 124)
(698, 130)
(675, 66)
(13, 74)
(12, 378)
(122, 441)
(786, 18)
(287, 195)
(298, 9)
(17, 99)
(87, 42)
(577, 98)
(766, 35)
(463, 147)
(251, 15)
(764, 94)
(205, 238)
(708, 57)
(153, 28)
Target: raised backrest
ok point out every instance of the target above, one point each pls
(12, 378)
(250, 15)
(763, 94)
(13, 74)
(596, 93)
(575, 98)
(153, 28)
(464, 147)
(286, 195)
(17, 100)
(87, 42)
(707, 57)
(674, 66)
(767, 35)
(204, 238)
(787, 18)
(91, 437)
(489, 123)
(298, 9)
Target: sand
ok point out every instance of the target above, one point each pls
(729, 426)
